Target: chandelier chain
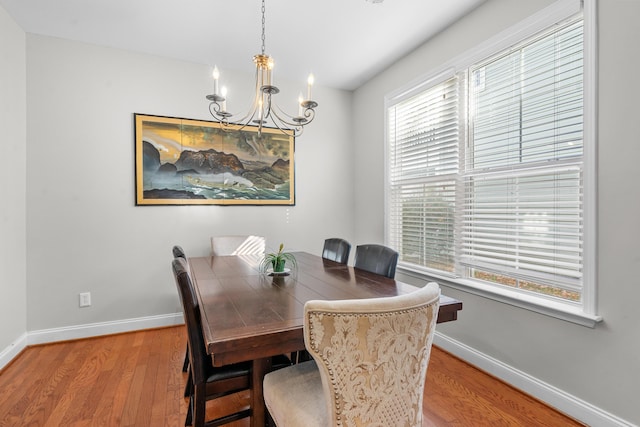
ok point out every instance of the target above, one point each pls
(263, 25)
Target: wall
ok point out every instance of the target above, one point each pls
(596, 371)
(84, 232)
(13, 281)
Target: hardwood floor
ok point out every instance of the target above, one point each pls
(135, 379)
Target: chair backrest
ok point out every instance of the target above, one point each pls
(336, 249)
(373, 355)
(198, 357)
(237, 245)
(376, 259)
(178, 252)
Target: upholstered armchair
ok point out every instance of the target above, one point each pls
(370, 363)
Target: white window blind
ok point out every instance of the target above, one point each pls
(523, 176)
(424, 159)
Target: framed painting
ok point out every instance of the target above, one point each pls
(195, 162)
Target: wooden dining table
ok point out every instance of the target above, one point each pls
(251, 315)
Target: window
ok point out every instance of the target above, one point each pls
(486, 171)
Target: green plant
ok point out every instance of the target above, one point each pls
(277, 260)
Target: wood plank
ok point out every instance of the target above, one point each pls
(127, 383)
(457, 393)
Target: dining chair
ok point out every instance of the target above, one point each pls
(178, 252)
(377, 259)
(336, 249)
(370, 363)
(237, 245)
(208, 382)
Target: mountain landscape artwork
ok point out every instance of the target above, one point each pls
(193, 162)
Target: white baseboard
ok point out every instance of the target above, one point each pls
(103, 328)
(9, 353)
(559, 399)
(66, 333)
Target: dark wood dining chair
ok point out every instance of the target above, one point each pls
(336, 249)
(209, 382)
(206, 381)
(370, 363)
(178, 252)
(377, 259)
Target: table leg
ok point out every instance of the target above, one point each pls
(258, 410)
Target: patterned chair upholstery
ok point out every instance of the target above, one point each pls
(369, 367)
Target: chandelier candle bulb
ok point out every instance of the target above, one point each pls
(309, 84)
(300, 101)
(216, 76)
(270, 71)
(224, 101)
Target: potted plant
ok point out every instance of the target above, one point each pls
(278, 260)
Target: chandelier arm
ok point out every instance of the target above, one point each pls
(223, 119)
(268, 107)
(216, 111)
(296, 127)
(253, 109)
(307, 116)
(285, 127)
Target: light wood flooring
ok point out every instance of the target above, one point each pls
(136, 379)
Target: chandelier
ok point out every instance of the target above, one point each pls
(264, 111)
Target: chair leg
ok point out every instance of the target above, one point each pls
(300, 356)
(188, 387)
(189, 420)
(199, 405)
(185, 364)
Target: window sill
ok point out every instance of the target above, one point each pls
(559, 310)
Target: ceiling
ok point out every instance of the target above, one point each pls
(343, 42)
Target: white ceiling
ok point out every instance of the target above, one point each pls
(343, 42)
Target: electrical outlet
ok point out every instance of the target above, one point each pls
(85, 299)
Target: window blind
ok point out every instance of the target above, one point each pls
(423, 165)
(523, 213)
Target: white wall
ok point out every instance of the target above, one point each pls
(600, 366)
(84, 232)
(13, 281)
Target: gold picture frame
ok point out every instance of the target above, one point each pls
(195, 162)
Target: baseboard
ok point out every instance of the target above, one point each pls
(554, 397)
(44, 336)
(66, 333)
(9, 353)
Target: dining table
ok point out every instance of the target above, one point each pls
(249, 314)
